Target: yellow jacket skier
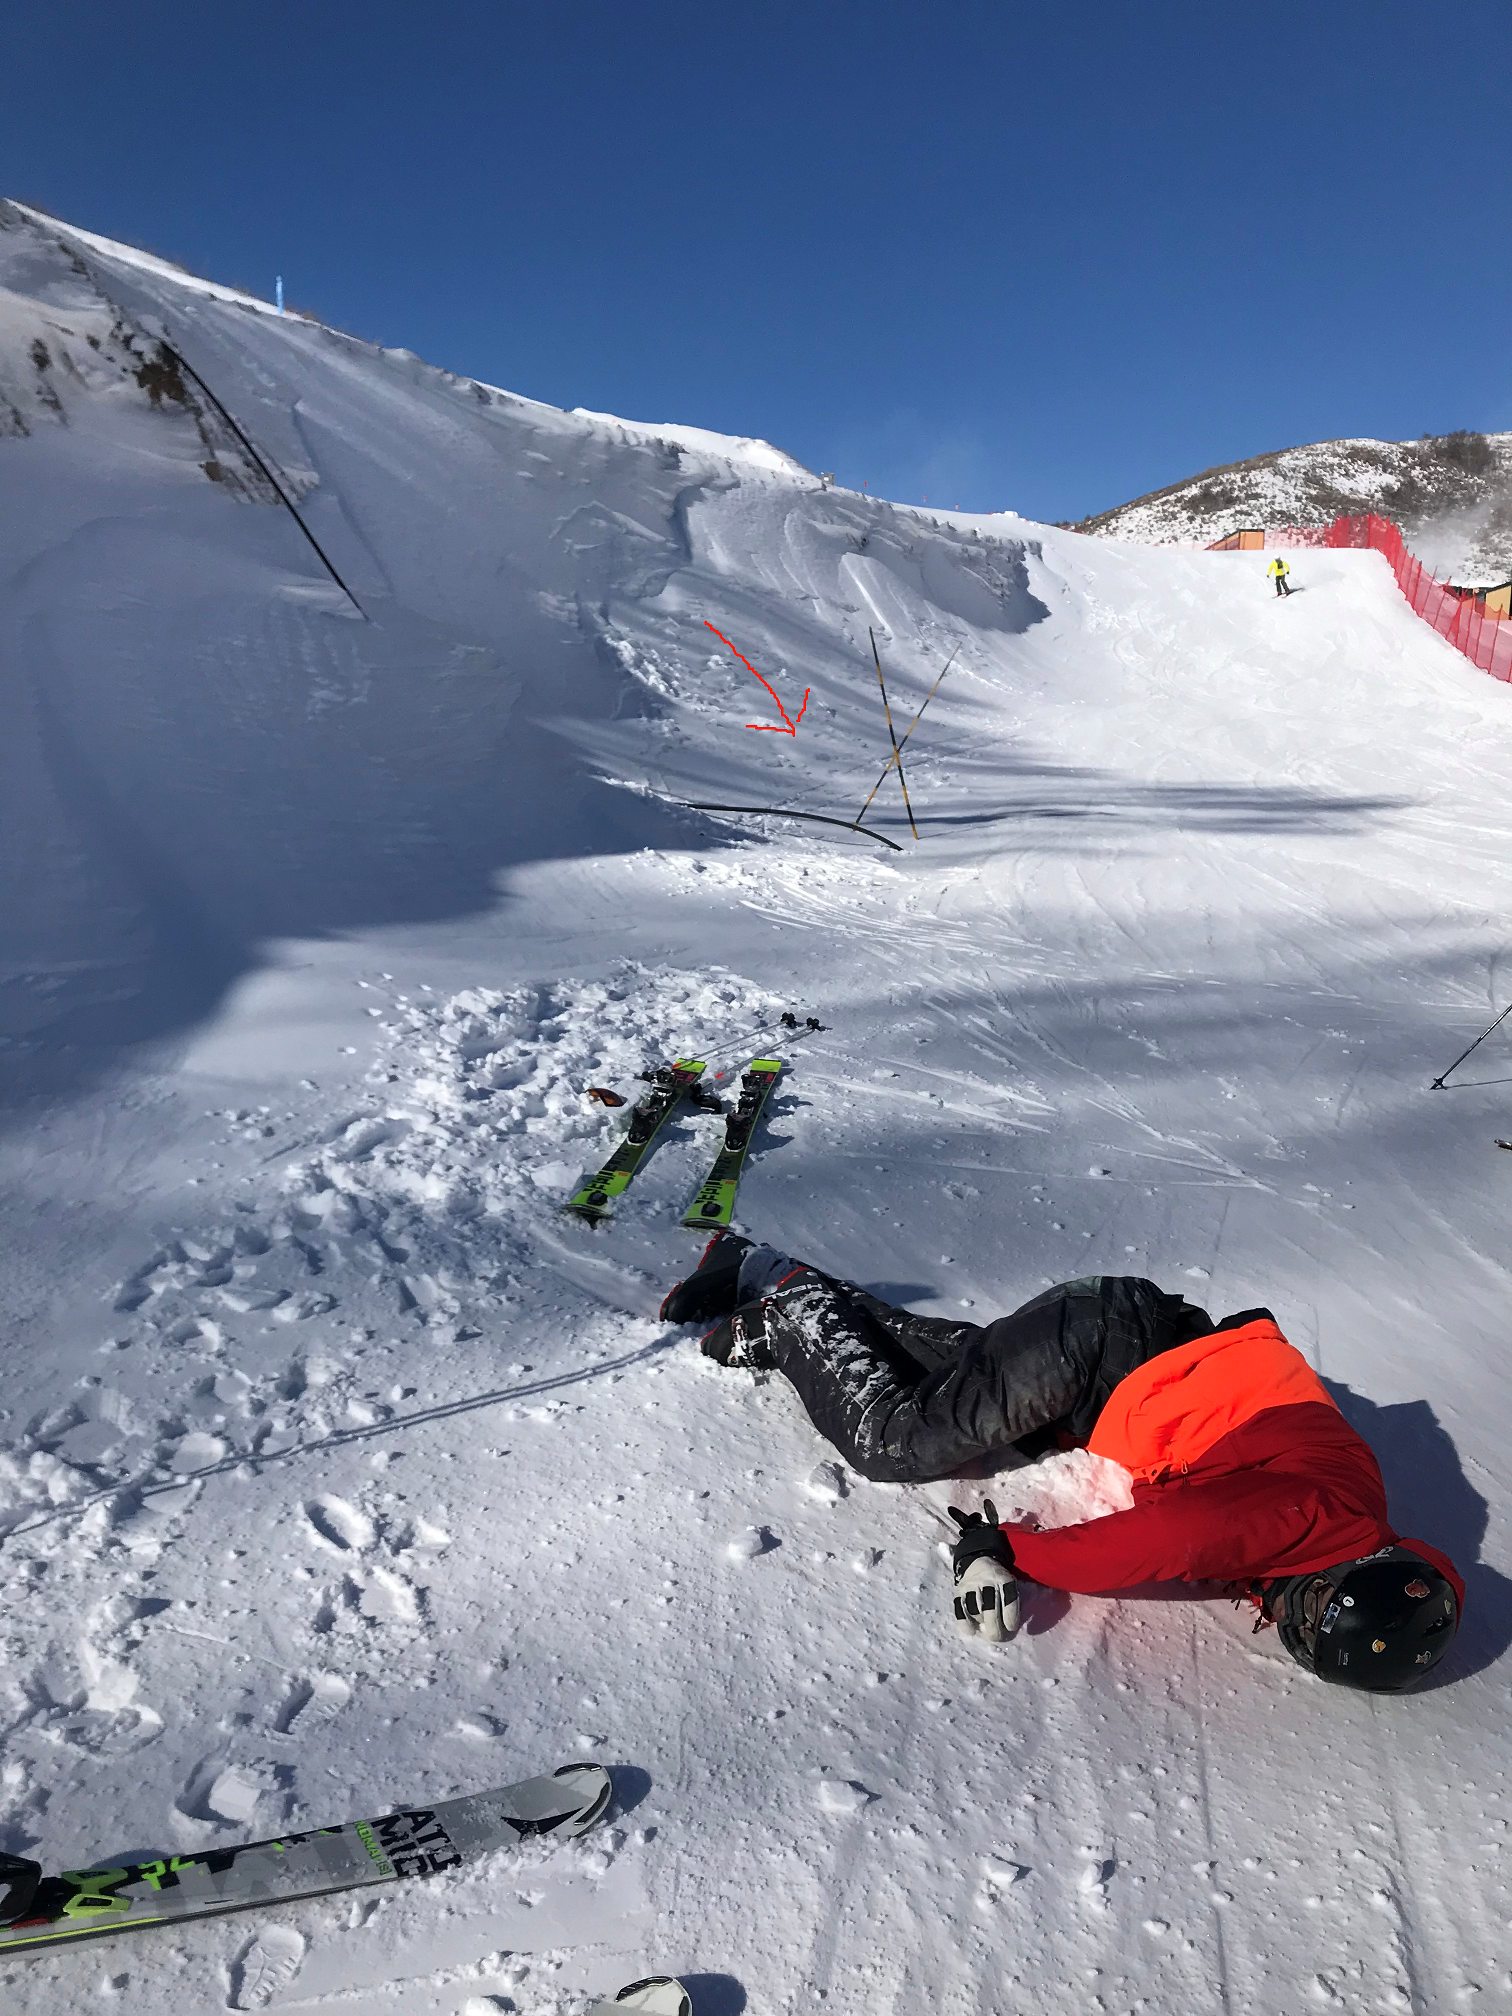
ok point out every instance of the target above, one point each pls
(1278, 571)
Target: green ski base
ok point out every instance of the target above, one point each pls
(714, 1205)
(672, 1084)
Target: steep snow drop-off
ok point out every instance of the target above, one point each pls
(338, 1469)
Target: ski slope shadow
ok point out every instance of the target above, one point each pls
(1431, 1497)
(208, 766)
(1098, 798)
(966, 775)
(715, 1994)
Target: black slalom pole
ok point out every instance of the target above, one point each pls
(781, 812)
(283, 496)
(1438, 1084)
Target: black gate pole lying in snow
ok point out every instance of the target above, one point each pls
(781, 812)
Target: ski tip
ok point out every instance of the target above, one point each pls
(593, 1788)
(657, 1995)
(564, 1802)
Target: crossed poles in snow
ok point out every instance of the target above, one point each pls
(791, 728)
(897, 746)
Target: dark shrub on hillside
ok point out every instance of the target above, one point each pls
(1467, 451)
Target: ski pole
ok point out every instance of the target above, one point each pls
(904, 743)
(1438, 1084)
(787, 1037)
(760, 1030)
(896, 755)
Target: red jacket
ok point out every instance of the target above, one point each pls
(1243, 1469)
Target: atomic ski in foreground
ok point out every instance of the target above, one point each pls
(40, 1910)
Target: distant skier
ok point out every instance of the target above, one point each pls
(1245, 1471)
(1278, 571)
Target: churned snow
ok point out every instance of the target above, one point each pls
(340, 1471)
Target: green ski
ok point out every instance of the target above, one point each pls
(670, 1083)
(714, 1204)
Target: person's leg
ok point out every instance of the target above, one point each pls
(919, 1344)
(927, 1342)
(931, 1341)
(866, 1394)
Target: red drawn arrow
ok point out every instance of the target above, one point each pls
(764, 727)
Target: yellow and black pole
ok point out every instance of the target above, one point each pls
(897, 754)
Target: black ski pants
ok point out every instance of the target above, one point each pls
(906, 1397)
(1283, 586)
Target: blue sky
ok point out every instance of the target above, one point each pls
(1043, 258)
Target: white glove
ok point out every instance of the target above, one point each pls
(985, 1601)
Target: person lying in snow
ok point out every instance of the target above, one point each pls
(1244, 1470)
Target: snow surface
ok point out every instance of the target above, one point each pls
(339, 1470)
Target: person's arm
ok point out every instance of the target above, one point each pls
(1255, 1523)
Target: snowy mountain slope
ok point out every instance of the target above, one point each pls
(1451, 494)
(338, 1467)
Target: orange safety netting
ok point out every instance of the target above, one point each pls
(1461, 620)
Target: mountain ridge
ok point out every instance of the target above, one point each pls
(1450, 493)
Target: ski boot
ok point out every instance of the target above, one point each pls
(744, 1338)
(713, 1286)
(741, 1340)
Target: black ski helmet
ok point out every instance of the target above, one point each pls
(1379, 1621)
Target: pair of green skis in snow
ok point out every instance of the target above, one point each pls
(40, 1912)
(713, 1202)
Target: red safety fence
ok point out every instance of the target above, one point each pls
(1290, 537)
(1461, 620)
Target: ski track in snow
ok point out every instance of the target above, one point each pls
(338, 1469)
